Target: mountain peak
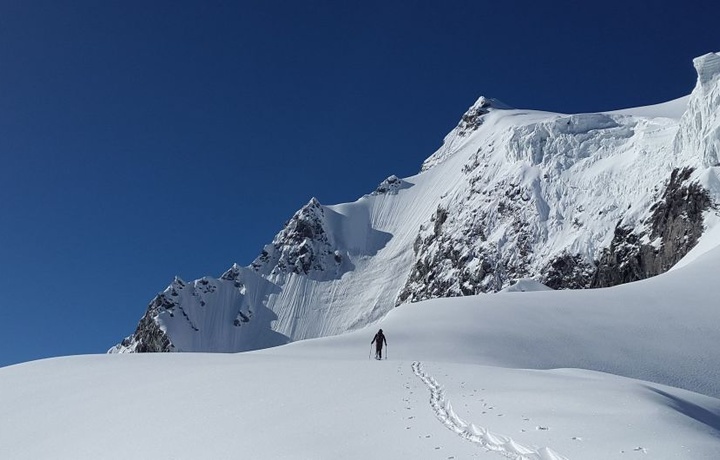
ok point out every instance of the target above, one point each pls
(232, 274)
(473, 117)
(390, 186)
(177, 281)
(490, 103)
(304, 247)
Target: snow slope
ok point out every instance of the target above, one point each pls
(614, 373)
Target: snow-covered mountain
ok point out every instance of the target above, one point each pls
(570, 201)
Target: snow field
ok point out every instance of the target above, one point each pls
(306, 404)
(194, 406)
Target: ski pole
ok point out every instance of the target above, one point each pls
(370, 354)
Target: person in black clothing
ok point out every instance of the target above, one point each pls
(378, 340)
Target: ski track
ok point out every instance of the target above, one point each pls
(503, 445)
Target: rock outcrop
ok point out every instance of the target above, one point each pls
(304, 246)
(673, 228)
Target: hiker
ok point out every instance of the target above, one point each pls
(378, 340)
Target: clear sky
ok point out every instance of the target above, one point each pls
(146, 139)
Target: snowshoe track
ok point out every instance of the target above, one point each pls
(503, 445)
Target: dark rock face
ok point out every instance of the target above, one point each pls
(233, 274)
(672, 230)
(568, 272)
(148, 336)
(303, 246)
(390, 186)
(450, 264)
(453, 255)
(473, 118)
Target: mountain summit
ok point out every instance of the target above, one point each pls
(569, 201)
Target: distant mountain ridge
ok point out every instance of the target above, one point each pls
(570, 201)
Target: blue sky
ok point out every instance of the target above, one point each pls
(144, 140)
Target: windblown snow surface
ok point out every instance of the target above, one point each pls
(629, 372)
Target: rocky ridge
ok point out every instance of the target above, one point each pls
(304, 246)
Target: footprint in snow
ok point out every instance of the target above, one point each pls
(443, 411)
